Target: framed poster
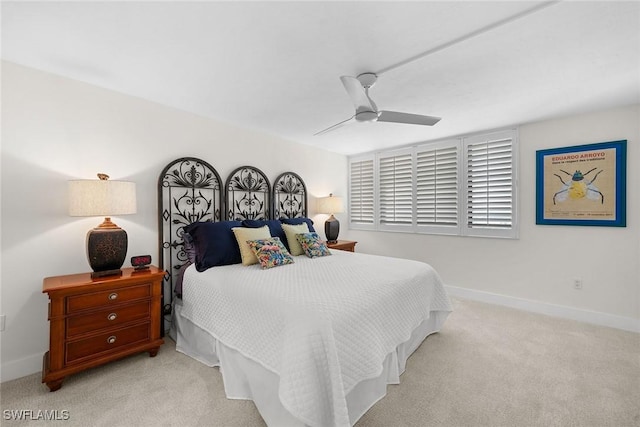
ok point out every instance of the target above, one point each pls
(582, 185)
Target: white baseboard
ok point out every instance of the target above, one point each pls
(20, 368)
(581, 315)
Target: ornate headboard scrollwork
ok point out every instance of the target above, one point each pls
(289, 196)
(247, 194)
(189, 190)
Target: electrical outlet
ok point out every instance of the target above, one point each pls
(577, 284)
(2, 320)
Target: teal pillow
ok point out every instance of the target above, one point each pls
(270, 252)
(312, 245)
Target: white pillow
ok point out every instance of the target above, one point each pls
(244, 234)
(290, 231)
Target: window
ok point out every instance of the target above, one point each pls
(464, 186)
(361, 208)
(437, 208)
(395, 194)
(489, 184)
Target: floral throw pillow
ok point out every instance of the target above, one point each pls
(270, 252)
(312, 245)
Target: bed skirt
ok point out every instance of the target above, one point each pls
(248, 380)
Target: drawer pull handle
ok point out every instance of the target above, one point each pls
(111, 339)
(112, 316)
(113, 296)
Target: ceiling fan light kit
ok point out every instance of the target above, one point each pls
(367, 110)
(367, 80)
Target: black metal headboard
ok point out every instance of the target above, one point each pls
(289, 196)
(248, 194)
(189, 190)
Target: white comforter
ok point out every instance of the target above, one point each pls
(322, 325)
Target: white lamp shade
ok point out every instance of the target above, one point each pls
(101, 198)
(330, 205)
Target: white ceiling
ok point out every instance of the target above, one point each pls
(275, 66)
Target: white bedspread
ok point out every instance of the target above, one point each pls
(322, 325)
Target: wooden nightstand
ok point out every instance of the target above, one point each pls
(343, 245)
(93, 322)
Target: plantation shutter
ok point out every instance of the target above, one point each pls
(395, 198)
(437, 185)
(361, 193)
(490, 182)
(465, 186)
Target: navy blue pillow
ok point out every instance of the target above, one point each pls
(215, 243)
(275, 228)
(297, 221)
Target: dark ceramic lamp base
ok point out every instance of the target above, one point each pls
(332, 229)
(106, 249)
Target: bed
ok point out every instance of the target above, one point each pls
(312, 342)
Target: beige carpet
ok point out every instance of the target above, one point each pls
(489, 366)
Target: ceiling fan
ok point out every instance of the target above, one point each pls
(366, 109)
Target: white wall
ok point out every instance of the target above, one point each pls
(56, 129)
(537, 270)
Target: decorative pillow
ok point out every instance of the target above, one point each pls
(243, 234)
(275, 228)
(298, 221)
(312, 245)
(214, 243)
(270, 252)
(291, 231)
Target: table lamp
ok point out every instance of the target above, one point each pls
(330, 205)
(107, 243)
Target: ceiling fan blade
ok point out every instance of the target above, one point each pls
(410, 119)
(357, 94)
(336, 126)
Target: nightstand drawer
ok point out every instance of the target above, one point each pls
(107, 341)
(108, 318)
(107, 298)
